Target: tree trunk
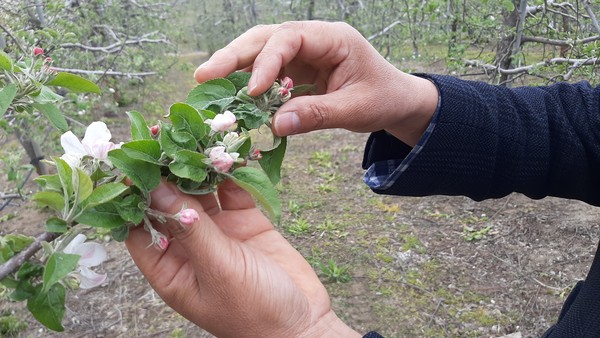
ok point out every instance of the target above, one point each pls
(310, 13)
(504, 50)
(33, 151)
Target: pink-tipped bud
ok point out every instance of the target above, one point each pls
(48, 60)
(287, 83)
(154, 130)
(159, 240)
(37, 51)
(255, 155)
(188, 216)
(162, 244)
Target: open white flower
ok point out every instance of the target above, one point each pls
(221, 122)
(96, 143)
(91, 254)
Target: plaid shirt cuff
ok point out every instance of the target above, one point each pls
(383, 174)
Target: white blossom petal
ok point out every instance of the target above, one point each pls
(91, 253)
(72, 160)
(71, 144)
(89, 279)
(78, 240)
(96, 132)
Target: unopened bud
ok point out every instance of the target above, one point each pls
(154, 130)
(37, 51)
(188, 216)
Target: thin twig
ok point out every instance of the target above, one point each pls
(19, 259)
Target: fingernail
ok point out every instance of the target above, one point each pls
(163, 197)
(287, 123)
(252, 82)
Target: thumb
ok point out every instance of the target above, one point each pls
(194, 231)
(313, 112)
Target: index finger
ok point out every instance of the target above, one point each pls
(238, 54)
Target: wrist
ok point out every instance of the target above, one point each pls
(330, 325)
(421, 98)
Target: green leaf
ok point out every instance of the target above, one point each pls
(55, 224)
(75, 83)
(143, 150)
(103, 194)
(189, 164)
(186, 117)
(120, 234)
(58, 266)
(53, 115)
(46, 95)
(83, 186)
(7, 95)
(65, 173)
(173, 141)
(508, 5)
(250, 115)
(48, 307)
(131, 209)
(239, 79)
(257, 183)
(51, 199)
(144, 175)
(213, 95)
(23, 291)
(5, 62)
(139, 127)
(102, 216)
(271, 161)
(49, 182)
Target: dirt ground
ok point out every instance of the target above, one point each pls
(420, 267)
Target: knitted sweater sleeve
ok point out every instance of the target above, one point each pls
(490, 141)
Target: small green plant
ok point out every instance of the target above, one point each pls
(11, 325)
(294, 208)
(325, 188)
(471, 234)
(333, 272)
(322, 158)
(298, 227)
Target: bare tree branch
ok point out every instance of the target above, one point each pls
(7, 31)
(19, 259)
(384, 31)
(590, 12)
(116, 47)
(556, 42)
(577, 63)
(100, 72)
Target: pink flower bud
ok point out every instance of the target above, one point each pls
(221, 160)
(154, 130)
(37, 51)
(162, 244)
(188, 216)
(287, 83)
(255, 155)
(221, 122)
(159, 240)
(48, 60)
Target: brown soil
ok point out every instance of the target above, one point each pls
(417, 270)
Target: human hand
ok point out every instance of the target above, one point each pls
(231, 272)
(357, 89)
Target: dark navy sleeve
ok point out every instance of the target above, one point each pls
(490, 141)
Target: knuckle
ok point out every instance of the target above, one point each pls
(319, 115)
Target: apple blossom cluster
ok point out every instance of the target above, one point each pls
(105, 185)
